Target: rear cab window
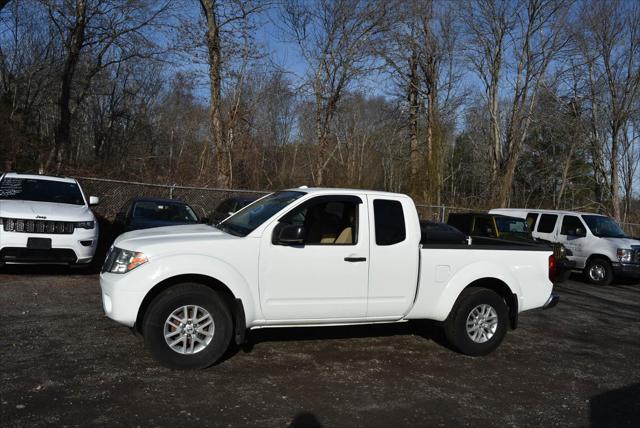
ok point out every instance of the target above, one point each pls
(390, 227)
(547, 223)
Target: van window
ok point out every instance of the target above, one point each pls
(531, 220)
(569, 225)
(547, 223)
(389, 222)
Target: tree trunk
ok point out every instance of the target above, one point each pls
(63, 128)
(412, 95)
(433, 141)
(223, 176)
(615, 176)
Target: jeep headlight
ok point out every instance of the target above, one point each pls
(123, 261)
(86, 224)
(624, 255)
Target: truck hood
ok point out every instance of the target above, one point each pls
(32, 210)
(169, 237)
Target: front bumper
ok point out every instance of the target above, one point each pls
(551, 301)
(629, 270)
(78, 247)
(120, 300)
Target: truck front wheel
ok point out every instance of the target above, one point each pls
(478, 322)
(188, 326)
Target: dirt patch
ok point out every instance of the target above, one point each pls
(62, 362)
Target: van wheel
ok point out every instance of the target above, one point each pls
(478, 322)
(188, 326)
(598, 271)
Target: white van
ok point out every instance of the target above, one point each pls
(599, 245)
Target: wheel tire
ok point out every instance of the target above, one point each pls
(176, 297)
(455, 326)
(599, 271)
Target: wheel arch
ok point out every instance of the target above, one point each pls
(211, 282)
(596, 256)
(501, 288)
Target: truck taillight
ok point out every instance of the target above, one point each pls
(552, 268)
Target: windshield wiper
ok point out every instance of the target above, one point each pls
(230, 229)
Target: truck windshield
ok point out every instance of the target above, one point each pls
(247, 220)
(511, 225)
(603, 227)
(32, 189)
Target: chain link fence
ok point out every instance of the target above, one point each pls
(115, 193)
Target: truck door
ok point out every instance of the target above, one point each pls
(325, 276)
(394, 267)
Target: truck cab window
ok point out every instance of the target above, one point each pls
(389, 222)
(547, 223)
(327, 223)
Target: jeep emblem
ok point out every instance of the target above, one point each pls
(41, 217)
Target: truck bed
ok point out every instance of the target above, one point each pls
(445, 271)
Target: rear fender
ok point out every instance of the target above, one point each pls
(435, 301)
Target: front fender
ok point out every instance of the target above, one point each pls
(167, 267)
(436, 297)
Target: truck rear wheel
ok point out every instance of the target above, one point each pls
(478, 322)
(188, 326)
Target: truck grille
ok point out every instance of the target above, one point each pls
(635, 257)
(38, 226)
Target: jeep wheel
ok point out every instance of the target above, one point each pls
(598, 271)
(478, 322)
(188, 326)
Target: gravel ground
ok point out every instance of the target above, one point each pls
(62, 362)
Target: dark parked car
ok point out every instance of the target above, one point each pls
(484, 225)
(440, 233)
(145, 213)
(230, 206)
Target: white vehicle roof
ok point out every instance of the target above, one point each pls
(339, 191)
(542, 211)
(39, 177)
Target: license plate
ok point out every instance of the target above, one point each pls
(39, 243)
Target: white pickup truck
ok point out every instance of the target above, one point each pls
(311, 257)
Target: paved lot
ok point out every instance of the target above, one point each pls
(63, 363)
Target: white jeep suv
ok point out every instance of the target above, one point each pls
(45, 220)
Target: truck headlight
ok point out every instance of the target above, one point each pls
(624, 255)
(86, 224)
(123, 261)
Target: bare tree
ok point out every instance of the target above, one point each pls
(532, 32)
(335, 38)
(609, 40)
(106, 32)
(228, 27)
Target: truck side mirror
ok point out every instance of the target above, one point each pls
(94, 200)
(287, 234)
(580, 232)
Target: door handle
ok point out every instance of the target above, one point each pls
(355, 259)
